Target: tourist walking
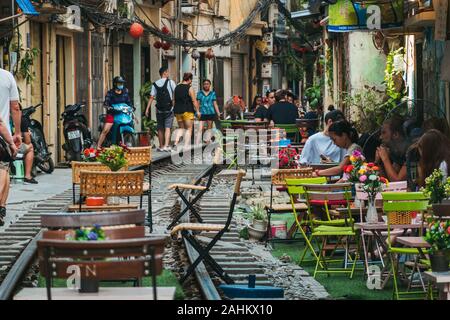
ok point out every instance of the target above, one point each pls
(186, 105)
(163, 92)
(209, 109)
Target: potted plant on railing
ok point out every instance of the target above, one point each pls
(437, 189)
(438, 236)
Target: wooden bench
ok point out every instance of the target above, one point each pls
(110, 184)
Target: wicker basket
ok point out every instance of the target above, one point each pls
(399, 217)
(279, 176)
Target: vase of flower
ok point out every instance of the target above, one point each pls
(89, 286)
(372, 213)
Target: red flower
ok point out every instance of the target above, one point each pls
(383, 179)
(86, 152)
(348, 169)
(375, 168)
(371, 164)
(448, 230)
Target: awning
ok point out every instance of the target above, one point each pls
(27, 7)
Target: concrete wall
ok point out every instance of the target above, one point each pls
(367, 63)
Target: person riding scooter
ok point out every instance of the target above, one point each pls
(117, 95)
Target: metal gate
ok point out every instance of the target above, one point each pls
(98, 95)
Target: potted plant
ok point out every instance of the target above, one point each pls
(259, 217)
(288, 158)
(114, 157)
(96, 233)
(436, 188)
(438, 236)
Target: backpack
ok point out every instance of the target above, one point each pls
(163, 99)
(5, 151)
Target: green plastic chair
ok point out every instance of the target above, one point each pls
(398, 207)
(295, 189)
(328, 195)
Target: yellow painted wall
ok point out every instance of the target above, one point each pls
(240, 10)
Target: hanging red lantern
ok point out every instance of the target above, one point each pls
(136, 30)
(166, 46)
(209, 54)
(165, 30)
(157, 44)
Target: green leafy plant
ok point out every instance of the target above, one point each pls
(25, 57)
(393, 78)
(329, 69)
(90, 234)
(438, 235)
(258, 212)
(150, 126)
(244, 233)
(314, 95)
(113, 157)
(436, 189)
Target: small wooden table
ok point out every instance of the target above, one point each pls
(105, 293)
(442, 280)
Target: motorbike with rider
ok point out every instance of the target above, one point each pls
(117, 125)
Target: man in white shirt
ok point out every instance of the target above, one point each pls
(319, 148)
(9, 107)
(163, 92)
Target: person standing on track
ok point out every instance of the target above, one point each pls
(163, 91)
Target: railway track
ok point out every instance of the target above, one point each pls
(18, 242)
(230, 253)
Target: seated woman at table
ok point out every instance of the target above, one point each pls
(345, 136)
(434, 152)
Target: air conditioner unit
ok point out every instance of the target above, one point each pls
(72, 19)
(189, 7)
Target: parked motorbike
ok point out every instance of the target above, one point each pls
(76, 132)
(123, 127)
(42, 157)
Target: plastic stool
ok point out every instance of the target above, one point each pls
(19, 170)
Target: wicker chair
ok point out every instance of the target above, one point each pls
(142, 157)
(111, 184)
(77, 167)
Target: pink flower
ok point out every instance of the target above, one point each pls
(363, 178)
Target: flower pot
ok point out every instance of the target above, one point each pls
(144, 139)
(441, 210)
(89, 286)
(255, 234)
(260, 225)
(439, 261)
